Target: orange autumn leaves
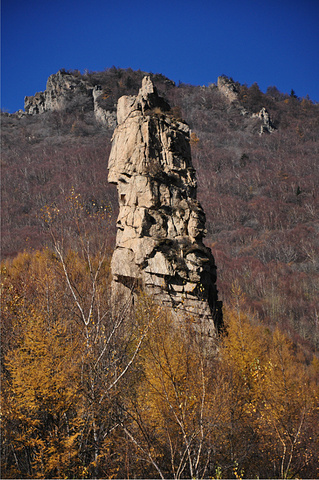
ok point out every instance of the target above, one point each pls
(179, 409)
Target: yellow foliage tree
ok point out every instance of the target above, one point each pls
(88, 394)
(41, 406)
(278, 396)
(69, 288)
(288, 407)
(174, 415)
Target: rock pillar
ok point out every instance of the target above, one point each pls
(161, 224)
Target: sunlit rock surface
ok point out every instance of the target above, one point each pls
(161, 224)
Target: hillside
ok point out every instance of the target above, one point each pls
(94, 389)
(259, 191)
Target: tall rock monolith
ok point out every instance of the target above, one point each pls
(161, 224)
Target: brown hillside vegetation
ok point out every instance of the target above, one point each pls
(260, 196)
(90, 394)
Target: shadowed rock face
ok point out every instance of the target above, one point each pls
(160, 224)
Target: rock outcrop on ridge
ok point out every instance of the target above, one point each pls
(65, 90)
(61, 89)
(266, 123)
(71, 91)
(230, 91)
(228, 88)
(161, 224)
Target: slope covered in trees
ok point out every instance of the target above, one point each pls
(86, 394)
(89, 395)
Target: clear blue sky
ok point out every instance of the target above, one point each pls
(271, 42)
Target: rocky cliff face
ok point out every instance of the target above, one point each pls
(266, 123)
(61, 89)
(230, 91)
(228, 88)
(160, 224)
(66, 91)
(69, 91)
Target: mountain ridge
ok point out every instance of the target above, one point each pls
(65, 89)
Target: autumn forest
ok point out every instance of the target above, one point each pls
(87, 393)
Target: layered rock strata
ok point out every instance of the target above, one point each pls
(161, 224)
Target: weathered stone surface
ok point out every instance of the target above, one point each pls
(103, 116)
(160, 224)
(266, 125)
(229, 89)
(64, 90)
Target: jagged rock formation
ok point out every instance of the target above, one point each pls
(68, 91)
(103, 116)
(63, 91)
(160, 224)
(266, 125)
(229, 89)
